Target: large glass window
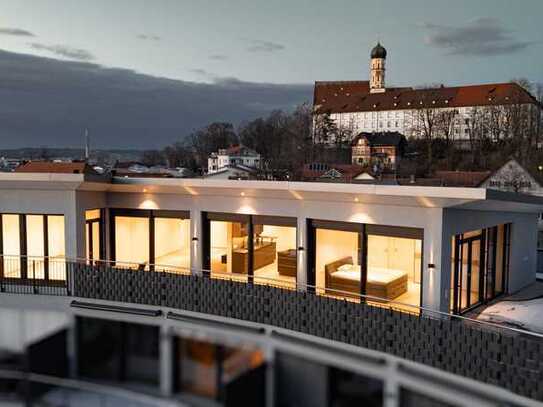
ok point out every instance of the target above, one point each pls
(56, 248)
(220, 372)
(229, 246)
(118, 351)
(381, 262)
(172, 243)
(132, 242)
(275, 255)
(394, 269)
(33, 246)
(93, 234)
(152, 240)
(260, 247)
(338, 263)
(479, 266)
(11, 242)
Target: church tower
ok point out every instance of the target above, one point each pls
(377, 69)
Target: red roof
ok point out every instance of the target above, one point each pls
(462, 178)
(354, 96)
(56, 167)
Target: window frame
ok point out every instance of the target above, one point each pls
(149, 214)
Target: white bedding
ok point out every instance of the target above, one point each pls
(375, 274)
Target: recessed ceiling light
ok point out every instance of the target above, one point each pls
(356, 199)
(242, 194)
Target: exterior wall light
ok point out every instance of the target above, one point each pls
(431, 266)
(300, 249)
(194, 239)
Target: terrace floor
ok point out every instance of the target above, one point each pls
(520, 310)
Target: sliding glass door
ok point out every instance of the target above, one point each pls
(380, 263)
(149, 240)
(259, 249)
(480, 262)
(93, 235)
(32, 247)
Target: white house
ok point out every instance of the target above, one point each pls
(232, 156)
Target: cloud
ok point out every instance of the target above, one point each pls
(149, 37)
(480, 37)
(51, 101)
(218, 57)
(264, 46)
(15, 31)
(65, 51)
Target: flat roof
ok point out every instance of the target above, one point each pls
(402, 195)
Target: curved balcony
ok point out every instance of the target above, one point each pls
(507, 358)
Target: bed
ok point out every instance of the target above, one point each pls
(343, 275)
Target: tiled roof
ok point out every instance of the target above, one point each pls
(462, 178)
(385, 138)
(354, 96)
(56, 167)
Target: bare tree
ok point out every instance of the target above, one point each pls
(446, 119)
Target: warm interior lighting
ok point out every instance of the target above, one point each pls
(12, 249)
(132, 241)
(57, 247)
(148, 204)
(356, 199)
(296, 195)
(35, 246)
(242, 194)
(172, 246)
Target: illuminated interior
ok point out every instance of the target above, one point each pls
(35, 246)
(56, 247)
(43, 254)
(229, 252)
(132, 242)
(275, 255)
(172, 243)
(11, 249)
(93, 238)
(167, 236)
(393, 267)
(335, 249)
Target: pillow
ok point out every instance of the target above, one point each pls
(345, 267)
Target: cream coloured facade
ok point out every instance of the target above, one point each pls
(452, 112)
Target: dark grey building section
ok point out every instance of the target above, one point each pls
(512, 362)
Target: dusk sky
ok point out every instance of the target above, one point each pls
(187, 63)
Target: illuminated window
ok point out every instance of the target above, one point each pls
(158, 240)
(56, 248)
(93, 233)
(261, 247)
(172, 243)
(132, 242)
(11, 249)
(33, 247)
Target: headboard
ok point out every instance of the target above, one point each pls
(332, 267)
